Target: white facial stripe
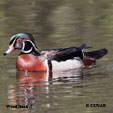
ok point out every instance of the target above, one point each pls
(33, 44)
(28, 51)
(24, 51)
(23, 46)
(14, 41)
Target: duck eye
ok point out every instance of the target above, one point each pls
(19, 40)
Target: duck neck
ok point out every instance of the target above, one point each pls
(34, 52)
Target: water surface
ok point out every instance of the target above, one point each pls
(56, 23)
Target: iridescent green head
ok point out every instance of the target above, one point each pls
(23, 42)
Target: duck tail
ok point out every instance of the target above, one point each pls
(97, 54)
(91, 57)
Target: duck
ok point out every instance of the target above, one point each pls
(60, 59)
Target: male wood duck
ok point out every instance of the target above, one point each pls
(61, 59)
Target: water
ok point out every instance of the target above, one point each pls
(54, 24)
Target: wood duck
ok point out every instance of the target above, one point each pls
(61, 59)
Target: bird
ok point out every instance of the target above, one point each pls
(51, 60)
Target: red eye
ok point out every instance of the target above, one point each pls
(19, 40)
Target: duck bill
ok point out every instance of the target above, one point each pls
(9, 50)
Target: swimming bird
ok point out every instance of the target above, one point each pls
(61, 59)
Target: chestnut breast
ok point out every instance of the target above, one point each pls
(30, 62)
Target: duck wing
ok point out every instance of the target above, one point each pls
(66, 54)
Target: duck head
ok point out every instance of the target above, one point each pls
(23, 42)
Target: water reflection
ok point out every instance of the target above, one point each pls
(28, 87)
(33, 85)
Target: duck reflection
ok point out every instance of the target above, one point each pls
(30, 85)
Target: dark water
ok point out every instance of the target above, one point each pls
(57, 23)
